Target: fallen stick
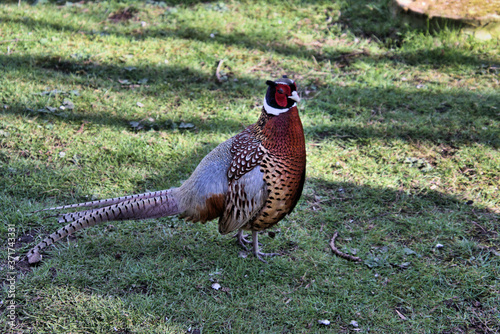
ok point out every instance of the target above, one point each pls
(217, 71)
(339, 253)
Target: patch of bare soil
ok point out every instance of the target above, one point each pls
(456, 9)
(480, 17)
(122, 15)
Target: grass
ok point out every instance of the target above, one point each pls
(403, 138)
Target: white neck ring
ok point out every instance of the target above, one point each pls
(275, 111)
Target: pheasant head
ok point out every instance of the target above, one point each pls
(281, 96)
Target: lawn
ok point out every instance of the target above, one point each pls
(108, 98)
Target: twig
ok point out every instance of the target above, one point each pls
(482, 228)
(13, 40)
(401, 315)
(217, 72)
(378, 216)
(339, 253)
(490, 249)
(81, 127)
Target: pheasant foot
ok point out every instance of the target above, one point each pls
(242, 239)
(34, 257)
(258, 254)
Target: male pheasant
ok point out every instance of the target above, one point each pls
(250, 182)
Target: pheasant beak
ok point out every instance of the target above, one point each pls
(295, 96)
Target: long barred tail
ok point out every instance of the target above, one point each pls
(105, 202)
(143, 206)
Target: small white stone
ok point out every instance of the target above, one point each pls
(439, 246)
(216, 286)
(324, 322)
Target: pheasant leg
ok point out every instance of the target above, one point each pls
(257, 253)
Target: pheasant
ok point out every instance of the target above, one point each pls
(250, 182)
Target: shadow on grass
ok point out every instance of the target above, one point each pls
(167, 2)
(451, 118)
(438, 117)
(372, 19)
(395, 214)
(171, 86)
(413, 218)
(363, 18)
(29, 177)
(387, 216)
(364, 203)
(376, 20)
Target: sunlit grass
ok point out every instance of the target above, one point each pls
(402, 130)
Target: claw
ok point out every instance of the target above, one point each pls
(260, 254)
(242, 240)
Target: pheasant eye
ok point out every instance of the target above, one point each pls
(281, 91)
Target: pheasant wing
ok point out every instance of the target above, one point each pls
(247, 191)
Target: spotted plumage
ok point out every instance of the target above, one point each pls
(250, 182)
(246, 154)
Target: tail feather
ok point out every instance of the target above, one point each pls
(109, 201)
(133, 208)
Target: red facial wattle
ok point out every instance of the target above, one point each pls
(282, 94)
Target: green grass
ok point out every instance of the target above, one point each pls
(403, 139)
